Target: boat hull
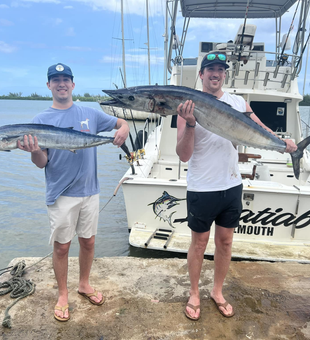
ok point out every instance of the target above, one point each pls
(269, 227)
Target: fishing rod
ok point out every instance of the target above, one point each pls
(302, 52)
(243, 30)
(289, 31)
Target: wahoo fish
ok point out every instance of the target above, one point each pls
(49, 137)
(212, 114)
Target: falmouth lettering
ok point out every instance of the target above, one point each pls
(256, 230)
(275, 218)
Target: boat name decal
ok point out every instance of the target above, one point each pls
(274, 218)
(256, 230)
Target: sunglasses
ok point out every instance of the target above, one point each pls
(214, 56)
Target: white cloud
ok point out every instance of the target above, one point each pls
(14, 72)
(68, 7)
(133, 58)
(4, 6)
(130, 6)
(70, 32)
(78, 48)
(4, 22)
(57, 21)
(42, 1)
(6, 48)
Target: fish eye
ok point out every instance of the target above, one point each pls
(131, 98)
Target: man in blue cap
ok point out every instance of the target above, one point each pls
(72, 188)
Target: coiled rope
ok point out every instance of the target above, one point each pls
(17, 286)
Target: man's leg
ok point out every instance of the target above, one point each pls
(194, 261)
(223, 242)
(86, 256)
(60, 264)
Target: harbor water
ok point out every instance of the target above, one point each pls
(24, 226)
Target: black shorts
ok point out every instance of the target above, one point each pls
(223, 207)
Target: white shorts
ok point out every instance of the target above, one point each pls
(73, 215)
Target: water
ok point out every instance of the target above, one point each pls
(24, 226)
(23, 216)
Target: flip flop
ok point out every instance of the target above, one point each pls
(194, 308)
(63, 309)
(224, 305)
(89, 295)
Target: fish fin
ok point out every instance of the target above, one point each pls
(70, 128)
(72, 150)
(169, 219)
(164, 105)
(298, 154)
(9, 138)
(248, 114)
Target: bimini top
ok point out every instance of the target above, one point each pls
(235, 9)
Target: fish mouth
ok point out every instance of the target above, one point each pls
(115, 101)
(112, 102)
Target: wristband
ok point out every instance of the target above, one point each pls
(190, 126)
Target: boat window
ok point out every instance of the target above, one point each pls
(258, 47)
(189, 61)
(272, 114)
(206, 47)
(174, 121)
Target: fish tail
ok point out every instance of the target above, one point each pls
(298, 154)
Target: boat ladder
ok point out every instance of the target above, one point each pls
(160, 234)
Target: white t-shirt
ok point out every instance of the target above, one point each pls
(213, 165)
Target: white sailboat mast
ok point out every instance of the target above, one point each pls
(123, 44)
(148, 40)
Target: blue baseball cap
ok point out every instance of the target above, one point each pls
(57, 69)
(214, 57)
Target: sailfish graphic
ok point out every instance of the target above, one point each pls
(162, 205)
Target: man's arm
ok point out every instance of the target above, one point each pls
(290, 145)
(185, 134)
(38, 156)
(122, 132)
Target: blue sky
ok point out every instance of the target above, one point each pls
(86, 35)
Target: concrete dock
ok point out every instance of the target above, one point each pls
(145, 300)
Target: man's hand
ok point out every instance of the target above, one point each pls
(186, 111)
(38, 156)
(30, 144)
(290, 146)
(121, 135)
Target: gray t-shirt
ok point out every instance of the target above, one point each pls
(67, 173)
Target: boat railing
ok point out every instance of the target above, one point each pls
(254, 70)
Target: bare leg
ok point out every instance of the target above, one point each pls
(223, 242)
(86, 256)
(194, 261)
(60, 264)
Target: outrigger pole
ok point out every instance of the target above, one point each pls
(243, 30)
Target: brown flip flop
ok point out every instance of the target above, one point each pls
(89, 295)
(224, 305)
(193, 308)
(63, 309)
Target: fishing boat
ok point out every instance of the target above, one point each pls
(275, 221)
